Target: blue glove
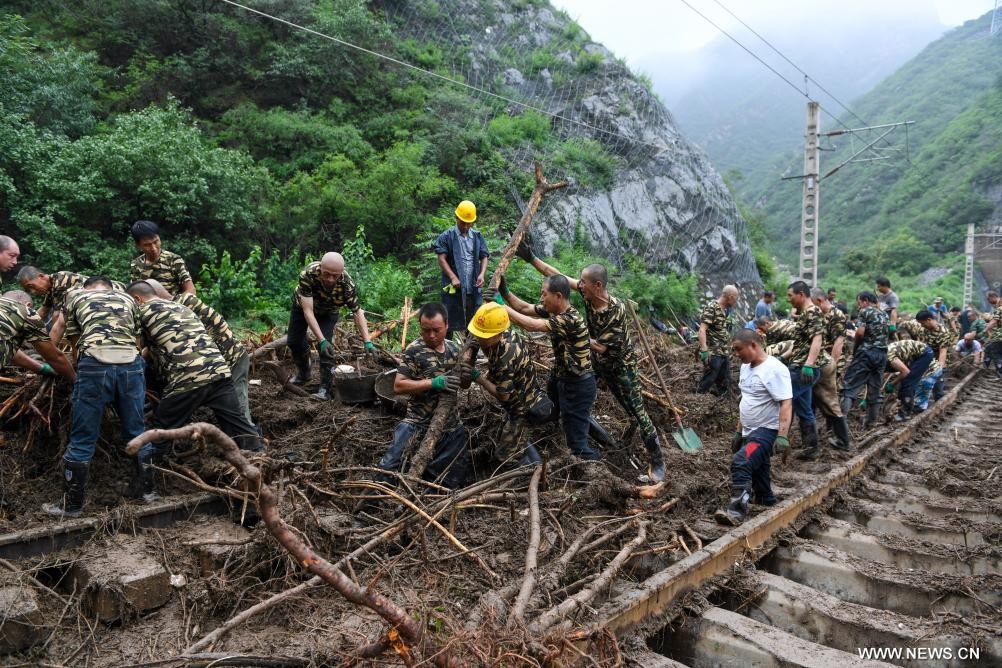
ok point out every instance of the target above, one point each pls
(370, 347)
(47, 369)
(806, 375)
(889, 388)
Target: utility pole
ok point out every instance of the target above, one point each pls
(969, 267)
(809, 208)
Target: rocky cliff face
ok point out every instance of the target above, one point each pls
(666, 203)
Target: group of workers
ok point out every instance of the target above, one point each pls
(154, 332)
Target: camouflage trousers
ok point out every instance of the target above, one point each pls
(624, 384)
(826, 396)
(514, 430)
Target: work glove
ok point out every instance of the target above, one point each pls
(892, 328)
(704, 356)
(806, 375)
(47, 370)
(467, 374)
(491, 295)
(503, 286)
(736, 440)
(780, 444)
(524, 250)
(326, 349)
(889, 388)
(445, 383)
(370, 348)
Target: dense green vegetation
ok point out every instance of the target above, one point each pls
(257, 147)
(904, 216)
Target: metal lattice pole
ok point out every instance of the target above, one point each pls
(969, 267)
(812, 187)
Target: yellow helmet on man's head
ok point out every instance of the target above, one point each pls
(490, 320)
(466, 211)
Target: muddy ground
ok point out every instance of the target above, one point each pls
(316, 452)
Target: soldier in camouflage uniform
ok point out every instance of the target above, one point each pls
(53, 288)
(806, 360)
(572, 386)
(324, 288)
(913, 360)
(777, 331)
(424, 374)
(714, 342)
(196, 374)
(103, 326)
(512, 381)
(613, 355)
(826, 395)
(156, 263)
(993, 333)
(20, 325)
(940, 339)
(869, 358)
(233, 351)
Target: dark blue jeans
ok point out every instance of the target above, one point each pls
(752, 463)
(865, 370)
(803, 394)
(299, 344)
(450, 462)
(916, 370)
(97, 385)
(572, 401)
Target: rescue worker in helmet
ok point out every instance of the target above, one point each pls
(510, 379)
(462, 256)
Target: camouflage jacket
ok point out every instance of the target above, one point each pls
(913, 328)
(19, 325)
(570, 339)
(779, 331)
(875, 335)
(326, 300)
(419, 362)
(169, 270)
(612, 328)
(509, 367)
(102, 318)
(835, 326)
(810, 323)
(183, 351)
(996, 333)
(909, 350)
(718, 334)
(63, 282)
(216, 327)
(941, 337)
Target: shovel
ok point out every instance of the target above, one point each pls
(684, 436)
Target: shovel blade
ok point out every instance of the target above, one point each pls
(687, 440)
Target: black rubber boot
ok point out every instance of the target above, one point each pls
(135, 488)
(74, 485)
(303, 373)
(657, 470)
(323, 394)
(530, 457)
(147, 482)
(630, 431)
(840, 429)
(737, 509)
(904, 410)
(809, 439)
(598, 434)
(872, 414)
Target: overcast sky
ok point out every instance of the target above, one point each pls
(646, 33)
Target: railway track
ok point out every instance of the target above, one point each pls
(892, 559)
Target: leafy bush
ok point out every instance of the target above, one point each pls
(587, 161)
(529, 126)
(588, 62)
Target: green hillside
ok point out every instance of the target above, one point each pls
(256, 145)
(906, 215)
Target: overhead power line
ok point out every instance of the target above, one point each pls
(441, 77)
(807, 77)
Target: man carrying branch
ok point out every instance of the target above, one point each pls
(572, 387)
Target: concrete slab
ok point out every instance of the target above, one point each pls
(829, 570)
(853, 539)
(214, 540)
(874, 516)
(22, 623)
(934, 504)
(726, 639)
(119, 579)
(819, 617)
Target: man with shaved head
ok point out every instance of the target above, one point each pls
(714, 342)
(613, 355)
(324, 288)
(54, 288)
(9, 252)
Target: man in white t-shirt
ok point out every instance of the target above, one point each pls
(766, 412)
(969, 346)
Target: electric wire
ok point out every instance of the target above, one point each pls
(436, 75)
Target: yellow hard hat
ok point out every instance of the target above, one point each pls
(489, 320)
(466, 211)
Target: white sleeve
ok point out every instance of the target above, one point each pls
(777, 381)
